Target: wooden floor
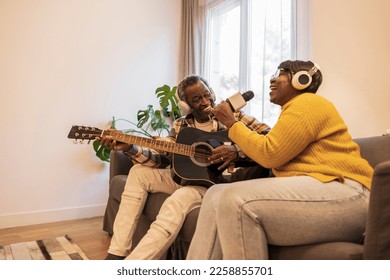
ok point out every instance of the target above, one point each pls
(86, 233)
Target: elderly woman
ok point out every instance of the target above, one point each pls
(320, 188)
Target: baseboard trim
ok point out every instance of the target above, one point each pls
(49, 216)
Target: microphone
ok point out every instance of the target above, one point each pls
(238, 100)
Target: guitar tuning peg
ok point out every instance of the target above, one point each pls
(82, 141)
(75, 141)
(89, 141)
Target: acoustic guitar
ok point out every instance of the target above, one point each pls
(190, 162)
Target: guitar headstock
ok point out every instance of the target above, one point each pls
(79, 132)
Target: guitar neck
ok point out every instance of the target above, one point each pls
(176, 148)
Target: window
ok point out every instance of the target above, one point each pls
(246, 41)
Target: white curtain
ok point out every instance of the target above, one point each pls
(193, 39)
(194, 29)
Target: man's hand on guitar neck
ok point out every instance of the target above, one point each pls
(224, 154)
(113, 144)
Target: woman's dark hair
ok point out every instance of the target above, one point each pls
(187, 82)
(295, 66)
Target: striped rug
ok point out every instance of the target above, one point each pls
(60, 248)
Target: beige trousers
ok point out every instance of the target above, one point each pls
(141, 181)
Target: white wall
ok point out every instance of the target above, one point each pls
(351, 42)
(68, 62)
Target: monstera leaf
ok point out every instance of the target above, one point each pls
(168, 101)
(157, 119)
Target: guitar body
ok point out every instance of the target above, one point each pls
(196, 170)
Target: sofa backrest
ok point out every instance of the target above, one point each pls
(374, 149)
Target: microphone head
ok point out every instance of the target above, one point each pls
(248, 95)
(238, 100)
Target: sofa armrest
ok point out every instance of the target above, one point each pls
(377, 239)
(120, 164)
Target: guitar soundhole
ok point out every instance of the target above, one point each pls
(202, 152)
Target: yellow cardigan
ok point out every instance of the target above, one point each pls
(310, 138)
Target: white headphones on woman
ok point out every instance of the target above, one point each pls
(185, 109)
(302, 79)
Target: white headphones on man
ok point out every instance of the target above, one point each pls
(185, 109)
(302, 79)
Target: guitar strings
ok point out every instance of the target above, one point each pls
(201, 154)
(90, 134)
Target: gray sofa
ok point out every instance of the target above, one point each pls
(376, 240)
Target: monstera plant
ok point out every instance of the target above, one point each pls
(150, 121)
